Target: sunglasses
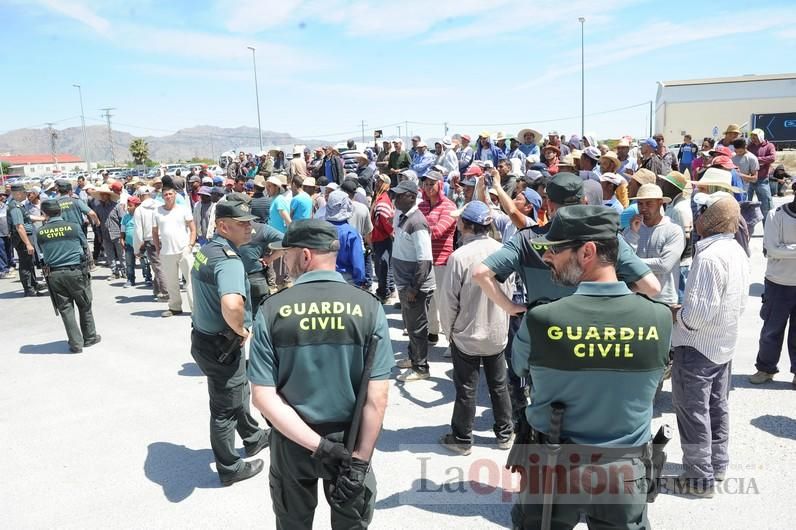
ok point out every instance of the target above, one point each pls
(558, 249)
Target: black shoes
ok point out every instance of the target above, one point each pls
(75, 349)
(262, 444)
(433, 338)
(88, 343)
(249, 470)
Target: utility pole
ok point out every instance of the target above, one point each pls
(399, 132)
(107, 116)
(363, 131)
(53, 136)
(582, 81)
(650, 119)
(85, 138)
(257, 94)
(446, 129)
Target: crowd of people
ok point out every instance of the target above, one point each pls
(472, 240)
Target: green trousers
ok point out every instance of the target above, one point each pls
(229, 403)
(259, 290)
(293, 480)
(72, 288)
(612, 495)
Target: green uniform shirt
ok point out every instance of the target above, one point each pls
(73, 209)
(251, 252)
(217, 270)
(521, 256)
(62, 243)
(601, 352)
(18, 216)
(399, 160)
(309, 342)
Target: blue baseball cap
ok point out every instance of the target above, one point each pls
(650, 142)
(218, 181)
(477, 212)
(534, 199)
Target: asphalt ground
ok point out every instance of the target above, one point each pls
(117, 436)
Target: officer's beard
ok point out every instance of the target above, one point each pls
(569, 274)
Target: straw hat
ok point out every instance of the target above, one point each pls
(104, 189)
(717, 177)
(610, 155)
(733, 128)
(551, 147)
(309, 182)
(500, 135)
(644, 176)
(650, 191)
(537, 136)
(677, 179)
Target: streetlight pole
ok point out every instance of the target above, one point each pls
(582, 81)
(257, 94)
(85, 138)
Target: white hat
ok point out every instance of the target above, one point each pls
(613, 178)
(298, 150)
(650, 191)
(717, 177)
(707, 199)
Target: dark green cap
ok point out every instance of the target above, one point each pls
(581, 223)
(234, 209)
(565, 189)
(309, 233)
(17, 186)
(50, 208)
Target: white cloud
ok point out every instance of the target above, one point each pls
(660, 35)
(251, 16)
(79, 12)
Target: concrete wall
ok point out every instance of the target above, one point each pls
(699, 117)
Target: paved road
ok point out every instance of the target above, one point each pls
(116, 437)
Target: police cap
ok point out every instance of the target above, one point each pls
(234, 209)
(565, 188)
(50, 208)
(581, 223)
(17, 187)
(63, 185)
(309, 233)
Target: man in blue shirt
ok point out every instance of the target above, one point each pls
(688, 153)
(422, 160)
(350, 257)
(301, 204)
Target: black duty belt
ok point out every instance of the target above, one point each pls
(66, 268)
(260, 272)
(606, 453)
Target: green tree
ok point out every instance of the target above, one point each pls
(139, 149)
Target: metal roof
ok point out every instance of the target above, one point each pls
(721, 80)
(17, 160)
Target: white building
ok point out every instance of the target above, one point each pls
(699, 107)
(37, 165)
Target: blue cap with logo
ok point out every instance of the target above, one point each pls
(477, 212)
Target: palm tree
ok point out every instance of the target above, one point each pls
(139, 149)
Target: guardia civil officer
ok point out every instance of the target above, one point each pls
(221, 320)
(596, 358)
(20, 227)
(73, 209)
(306, 363)
(63, 245)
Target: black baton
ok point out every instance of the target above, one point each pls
(552, 447)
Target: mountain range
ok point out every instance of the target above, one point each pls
(202, 141)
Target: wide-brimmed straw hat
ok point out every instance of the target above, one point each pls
(719, 178)
(537, 136)
(104, 189)
(650, 191)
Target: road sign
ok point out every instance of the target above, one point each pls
(715, 132)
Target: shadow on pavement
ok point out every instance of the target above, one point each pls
(121, 299)
(444, 387)
(57, 347)
(462, 498)
(780, 426)
(190, 370)
(756, 289)
(152, 313)
(12, 294)
(742, 381)
(179, 470)
(423, 439)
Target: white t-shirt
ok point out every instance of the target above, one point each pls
(172, 228)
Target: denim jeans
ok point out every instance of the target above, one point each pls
(9, 248)
(415, 317)
(382, 253)
(3, 259)
(763, 195)
(779, 307)
(129, 261)
(466, 373)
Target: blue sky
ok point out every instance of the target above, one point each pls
(325, 65)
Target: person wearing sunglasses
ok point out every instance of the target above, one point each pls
(598, 355)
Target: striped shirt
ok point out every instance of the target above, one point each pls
(715, 297)
(382, 215)
(411, 253)
(441, 226)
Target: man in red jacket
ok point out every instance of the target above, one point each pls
(437, 208)
(382, 213)
(766, 155)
